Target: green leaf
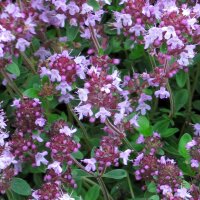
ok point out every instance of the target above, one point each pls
(196, 104)
(186, 184)
(161, 125)
(151, 187)
(31, 93)
(78, 155)
(94, 4)
(181, 98)
(181, 78)
(71, 32)
(93, 193)
(154, 197)
(13, 68)
(79, 174)
(20, 186)
(182, 145)
(137, 52)
(144, 126)
(116, 174)
(169, 132)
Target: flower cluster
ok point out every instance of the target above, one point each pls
(194, 148)
(171, 32)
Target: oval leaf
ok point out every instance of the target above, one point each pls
(116, 174)
(182, 145)
(13, 69)
(93, 193)
(20, 186)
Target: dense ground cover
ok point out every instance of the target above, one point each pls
(99, 100)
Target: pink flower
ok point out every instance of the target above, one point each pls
(39, 158)
(67, 131)
(183, 193)
(90, 164)
(124, 155)
(103, 114)
(56, 167)
(83, 94)
(190, 144)
(22, 44)
(166, 190)
(162, 93)
(84, 110)
(197, 129)
(40, 121)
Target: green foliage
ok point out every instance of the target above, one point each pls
(20, 186)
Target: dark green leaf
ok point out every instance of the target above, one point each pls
(181, 78)
(182, 145)
(13, 68)
(181, 98)
(116, 174)
(93, 193)
(31, 93)
(20, 186)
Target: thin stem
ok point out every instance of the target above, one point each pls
(99, 179)
(11, 83)
(94, 39)
(171, 99)
(116, 130)
(130, 186)
(84, 132)
(28, 62)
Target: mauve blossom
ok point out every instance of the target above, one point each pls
(166, 189)
(40, 158)
(138, 159)
(72, 8)
(40, 121)
(194, 163)
(124, 155)
(140, 139)
(83, 94)
(63, 87)
(42, 53)
(90, 164)
(86, 8)
(55, 76)
(143, 107)
(103, 114)
(190, 144)
(183, 193)
(197, 129)
(22, 44)
(162, 93)
(56, 167)
(84, 110)
(67, 131)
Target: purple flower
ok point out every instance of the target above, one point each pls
(67, 131)
(183, 193)
(138, 159)
(63, 87)
(197, 129)
(39, 158)
(22, 44)
(166, 190)
(194, 163)
(90, 164)
(124, 155)
(140, 139)
(83, 94)
(143, 107)
(84, 110)
(40, 121)
(55, 76)
(190, 144)
(42, 53)
(103, 114)
(16, 103)
(56, 167)
(134, 121)
(162, 93)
